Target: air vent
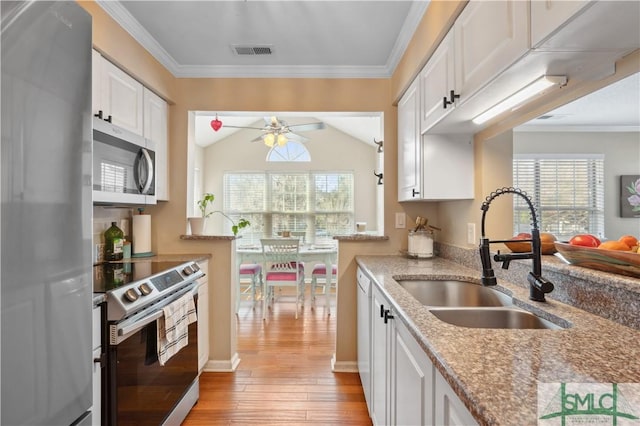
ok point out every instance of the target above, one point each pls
(252, 50)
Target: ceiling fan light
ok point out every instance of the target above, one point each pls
(269, 139)
(282, 139)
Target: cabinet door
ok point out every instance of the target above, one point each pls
(448, 167)
(413, 376)
(409, 164)
(203, 318)
(449, 410)
(364, 334)
(489, 37)
(436, 82)
(155, 129)
(122, 98)
(96, 80)
(549, 15)
(380, 381)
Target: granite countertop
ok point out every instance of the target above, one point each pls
(168, 258)
(495, 372)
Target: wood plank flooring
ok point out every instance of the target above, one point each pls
(284, 377)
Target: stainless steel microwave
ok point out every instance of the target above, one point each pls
(123, 166)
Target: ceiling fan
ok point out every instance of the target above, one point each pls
(276, 130)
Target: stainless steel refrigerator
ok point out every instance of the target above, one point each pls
(45, 273)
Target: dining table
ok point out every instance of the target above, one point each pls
(324, 252)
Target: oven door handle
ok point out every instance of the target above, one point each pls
(119, 332)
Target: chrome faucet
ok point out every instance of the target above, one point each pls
(538, 285)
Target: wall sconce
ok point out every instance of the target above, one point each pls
(379, 176)
(536, 88)
(379, 143)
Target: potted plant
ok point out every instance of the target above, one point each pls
(197, 224)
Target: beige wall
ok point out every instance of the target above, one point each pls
(169, 219)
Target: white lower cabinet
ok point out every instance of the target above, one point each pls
(364, 334)
(203, 316)
(413, 380)
(406, 389)
(449, 410)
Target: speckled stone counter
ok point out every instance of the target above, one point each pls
(169, 258)
(495, 372)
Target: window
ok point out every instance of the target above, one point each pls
(567, 191)
(292, 151)
(320, 204)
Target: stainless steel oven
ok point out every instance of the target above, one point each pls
(138, 390)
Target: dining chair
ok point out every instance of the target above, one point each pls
(319, 278)
(282, 268)
(251, 272)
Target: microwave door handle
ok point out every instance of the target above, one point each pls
(143, 187)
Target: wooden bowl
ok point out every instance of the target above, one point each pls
(613, 261)
(516, 246)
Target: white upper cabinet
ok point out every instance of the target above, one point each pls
(437, 85)
(548, 15)
(155, 130)
(448, 169)
(409, 149)
(117, 95)
(489, 37)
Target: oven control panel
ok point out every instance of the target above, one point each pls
(135, 296)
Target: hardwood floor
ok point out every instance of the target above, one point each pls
(284, 377)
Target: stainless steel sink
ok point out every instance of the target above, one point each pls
(511, 318)
(454, 293)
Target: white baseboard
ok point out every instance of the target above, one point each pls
(343, 366)
(222, 366)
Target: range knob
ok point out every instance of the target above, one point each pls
(145, 289)
(188, 270)
(131, 295)
(195, 267)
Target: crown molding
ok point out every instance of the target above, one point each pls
(577, 128)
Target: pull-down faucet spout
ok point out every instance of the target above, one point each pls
(538, 285)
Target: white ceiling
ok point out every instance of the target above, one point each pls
(308, 38)
(317, 38)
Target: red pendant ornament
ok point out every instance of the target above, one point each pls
(216, 124)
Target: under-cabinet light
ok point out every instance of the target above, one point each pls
(534, 89)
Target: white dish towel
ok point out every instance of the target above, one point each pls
(173, 327)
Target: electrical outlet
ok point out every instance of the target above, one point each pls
(471, 233)
(401, 220)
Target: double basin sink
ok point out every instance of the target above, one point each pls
(466, 304)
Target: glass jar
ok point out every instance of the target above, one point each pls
(421, 243)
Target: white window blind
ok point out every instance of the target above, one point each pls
(567, 191)
(316, 203)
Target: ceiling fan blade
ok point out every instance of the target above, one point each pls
(296, 138)
(307, 127)
(258, 139)
(242, 127)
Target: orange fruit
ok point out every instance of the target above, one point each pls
(629, 240)
(614, 245)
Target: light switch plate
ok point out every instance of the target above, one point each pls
(471, 233)
(401, 220)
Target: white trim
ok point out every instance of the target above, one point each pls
(222, 366)
(343, 366)
(558, 156)
(577, 128)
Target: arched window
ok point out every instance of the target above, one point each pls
(291, 151)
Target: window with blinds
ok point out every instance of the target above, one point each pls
(320, 204)
(567, 191)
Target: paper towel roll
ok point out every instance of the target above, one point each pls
(141, 233)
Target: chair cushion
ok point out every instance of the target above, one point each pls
(281, 276)
(320, 269)
(250, 269)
